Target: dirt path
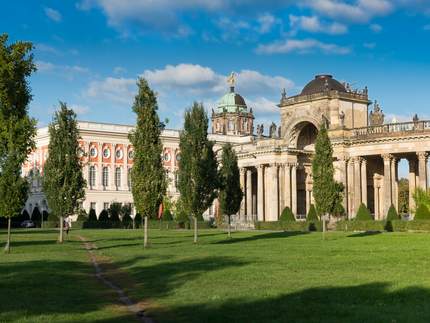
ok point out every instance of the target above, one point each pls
(132, 307)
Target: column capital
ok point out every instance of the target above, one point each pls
(248, 172)
(260, 167)
(387, 157)
(363, 161)
(294, 165)
(287, 166)
(274, 166)
(242, 170)
(358, 160)
(422, 155)
(344, 159)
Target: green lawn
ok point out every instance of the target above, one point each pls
(254, 277)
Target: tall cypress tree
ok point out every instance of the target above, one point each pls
(198, 166)
(231, 194)
(148, 174)
(63, 181)
(324, 188)
(17, 129)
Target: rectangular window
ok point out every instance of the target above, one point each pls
(167, 174)
(30, 208)
(105, 206)
(230, 125)
(245, 126)
(218, 126)
(93, 206)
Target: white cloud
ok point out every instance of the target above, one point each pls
(60, 70)
(301, 46)
(369, 45)
(53, 14)
(427, 27)
(74, 52)
(79, 109)
(42, 66)
(121, 91)
(267, 22)
(41, 124)
(314, 25)
(119, 70)
(45, 48)
(375, 28)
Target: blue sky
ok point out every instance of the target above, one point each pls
(89, 53)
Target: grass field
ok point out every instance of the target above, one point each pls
(254, 277)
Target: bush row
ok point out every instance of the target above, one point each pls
(138, 225)
(289, 225)
(384, 225)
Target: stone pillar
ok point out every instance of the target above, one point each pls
(422, 163)
(87, 167)
(100, 166)
(260, 193)
(350, 188)
(242, 185)
(343, 179)
(274, 193)
(412, 178)
(376, 196)
(287, 185)
(364, 181)
(124, 179)
(267, 185)
(357, 184)
(294, 188)
(387, 183)
(393, 182)
(281, 187)
(248, 192)
(112, 167)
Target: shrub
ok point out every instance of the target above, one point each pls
(167, 216)
(392, 214)
(338, 210)
(312, 214)
(287, 215)
(137, 218)
(422, 213)
(24, 216)
(363, 213)
(52, 217)
(104, 216)
(127, 217)
(35, 216)
(182, 217)
(92, 215)
(45, 215)
(114, 215)
(82, 215)
(200, 218)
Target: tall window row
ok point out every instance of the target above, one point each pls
(105, 177)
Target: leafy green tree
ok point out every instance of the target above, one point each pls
(363, 213)
(127, 217)
(104, 216)
(167, 216)
(92, 216)
(287, 215)
(231, 194)
(63, 182)
(420, 196)
(82, 215)
(45, 215)
(324, 188)
(312, 214)
(147, 174)
(113, 216)
(52, 217)
(392, 213)
(17, 129)
(403, 195)
(338, 211)
(182, 217)
(422, 212)
(137, 219)
(198, 167)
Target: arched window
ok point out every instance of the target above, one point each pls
(230, 125)
(92, 176)
(105, 177)
(118, 177)
(129, 179)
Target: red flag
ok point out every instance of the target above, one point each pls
(161, 210)
(217, 209)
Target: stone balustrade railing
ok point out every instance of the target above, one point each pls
(392, 128)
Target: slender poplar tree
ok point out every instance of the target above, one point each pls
(324, 187)
(63, 181)
(231, 194)
(17, 129)
(198, 167)
(148, 174)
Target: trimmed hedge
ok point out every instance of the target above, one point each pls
(289, 225)
(129, 225)
(287, 215)
(92, 216)
(182, 217)
(384, 225)
(104, 216)
(392, 213)
(363, 213)
(312, 214)
(166, 216)
(13, 224)
(422, 213)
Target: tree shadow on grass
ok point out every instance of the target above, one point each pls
(356, 304)
(259, 236)
(364, 234)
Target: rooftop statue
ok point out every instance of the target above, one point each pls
(260, 130)
(377, 117)
(231, 78)
(272, 130)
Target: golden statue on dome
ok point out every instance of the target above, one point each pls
(231, 78)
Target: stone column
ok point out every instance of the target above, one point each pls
(364, 181)
(376, 196)
(412, 178)
(422, 163)
(274, 193)
(350, 196)
(242, 185)
(294, 188)
(387, 183)
(248, 192)
(260, 193)
(287, 185)
(267, 183)
(357, 184)
(343, 179)
(100, 166)
(125, 169)
(281, 187)
(112, 166)
(393, 182)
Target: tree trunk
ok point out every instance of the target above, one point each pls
(61, 229)
(229, 227)
(195, 230)
(145, 239)
(7, 249)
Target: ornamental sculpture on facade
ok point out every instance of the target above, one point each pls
(231, 78)
(377, 117)
(272, 130)
(260, 130)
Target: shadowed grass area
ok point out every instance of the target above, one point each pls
(272, 277)
(44, 281)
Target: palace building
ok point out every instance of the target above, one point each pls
(275, 170)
